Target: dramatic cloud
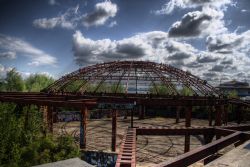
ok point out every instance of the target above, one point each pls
(90, 51)
(229, 43)
(153, 46)
(72, 17)
(103, 11)
(68, 20)
(217, 68)
(23, 48)
(207, 58)
(169, 7)
(159, 47)
(8, 55)
(191, 24)
(199, 24)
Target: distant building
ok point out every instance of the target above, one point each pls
(242, 88)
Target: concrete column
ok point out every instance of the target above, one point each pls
(114, 129)
(188, 115)
(83, 130)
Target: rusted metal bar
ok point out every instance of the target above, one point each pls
(83, 127)
(50, 118)
(210, 115)
(238, 127)
(218, 114)
(162, 131)
(188, 116)
(177, 120)
(239, 113)
(132, 118)
(41, 102)
(70, 98)
(114, 127)
(127, 154)
(201, 152)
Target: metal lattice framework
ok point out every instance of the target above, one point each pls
(129, 82)
(138, 77)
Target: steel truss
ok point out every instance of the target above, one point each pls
(138, 74)
(133, 75)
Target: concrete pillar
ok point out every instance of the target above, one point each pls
(83, 130)
(114, 128)
(188, 115)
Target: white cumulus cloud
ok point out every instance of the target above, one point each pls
(23, 48)
(103, 11)
(171, 5)
(67, 20)
(8, 55)
(157, 46)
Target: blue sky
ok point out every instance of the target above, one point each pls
(210, 38)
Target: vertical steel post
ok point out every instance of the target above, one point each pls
(114, 128)
(188, 114)
(132, 119)
(218, 118)
(177, 114)
(239, 114)
(218, 113)
(210, 115)
(83, 130)
(50, 118)
(225, 119)
(141, 111)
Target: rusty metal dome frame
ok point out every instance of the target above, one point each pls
(134, 76)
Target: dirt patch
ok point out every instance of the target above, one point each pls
(150, 149)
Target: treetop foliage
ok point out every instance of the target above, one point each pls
(15, 83)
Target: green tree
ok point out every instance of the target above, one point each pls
(14, 81)
(115, 88)
(233, 94)
(2, 85)
(185, 91)
(160, 89)
(37, 82)
(23, 144)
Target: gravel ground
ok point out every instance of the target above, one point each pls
(150, 149)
